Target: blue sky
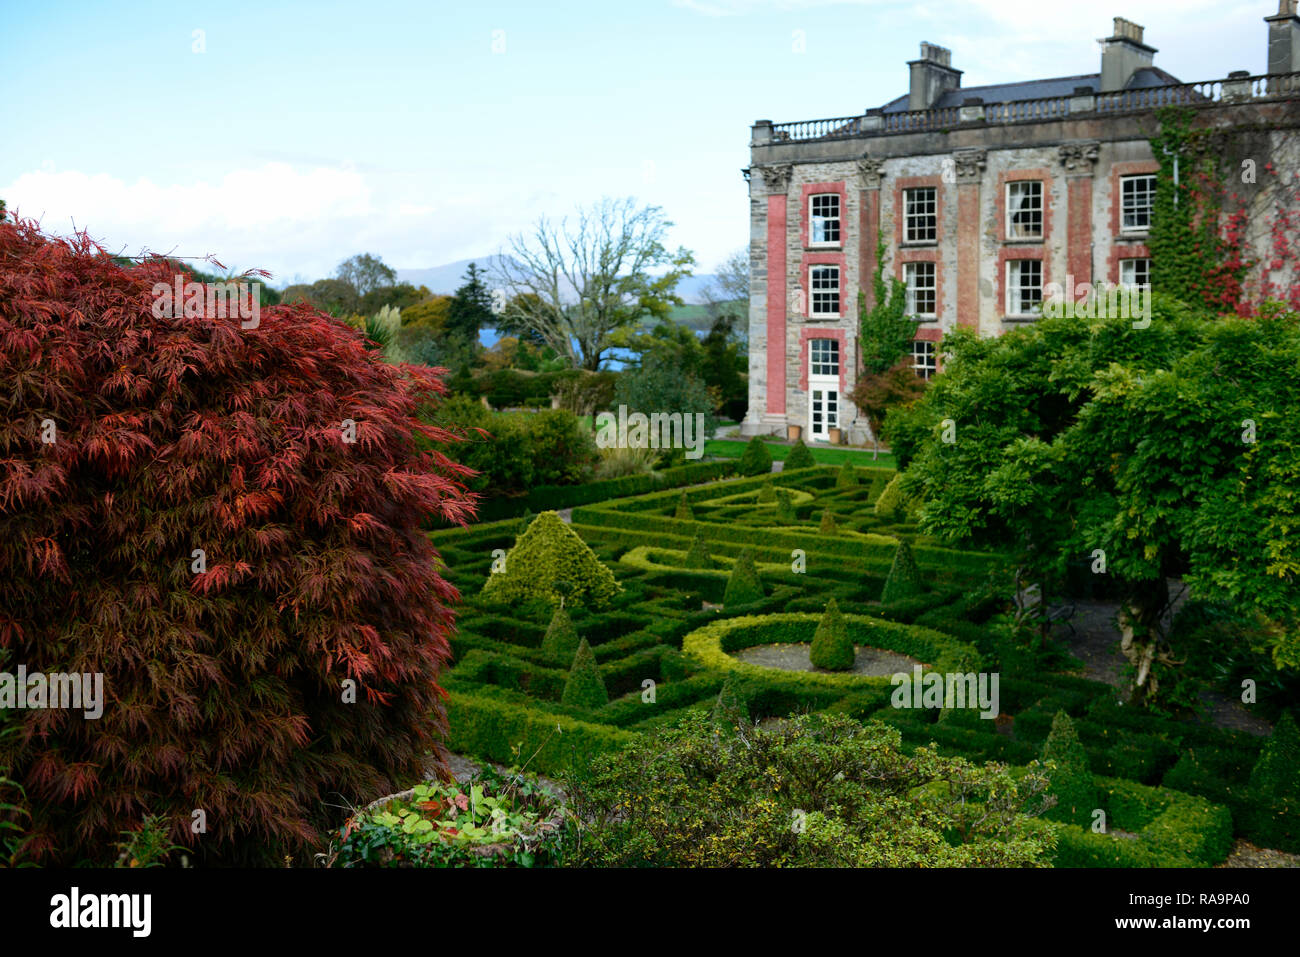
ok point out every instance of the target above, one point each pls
(429, 132)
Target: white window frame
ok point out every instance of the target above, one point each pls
(925, 358)
(824, 353)
(1131, 267)
(825, 221)
(1025, 188)
(833, 271)
(927, 222)
(911, 272)
(1136, 211)
(1014, 301)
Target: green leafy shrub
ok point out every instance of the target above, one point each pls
(560, 643)
(697, 556)
(756, 459)
(729, 709)
(832, 648)
(799, 457)
(550, 561)
(815, 791)
(890, 504)
(1277, 774)
(585, 687)
(767, 493)
(1071, 781)
(828, 525)
(743, 586)
(904, 579)
(784, 506)
(847, 477)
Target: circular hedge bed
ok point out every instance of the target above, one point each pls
(713, 645)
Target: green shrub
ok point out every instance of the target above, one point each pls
(729, 709)
(743, 586)
(890, 504)
(904, 579)
(684, 512)
(585, 687)
(828, 524)
(832, 648)
(767, 494)
(784, 506)
(756, 458)
(1071, 781)
(560, 642)
(697, 556)
(799, 457)
(1277, 774)
(847, 476)
(691, 796)
(551, 562)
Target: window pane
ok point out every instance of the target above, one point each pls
(826, 218)
(920, 213)
(825, 282)
(1025, 210)
(1137, 197)
(1024, 286)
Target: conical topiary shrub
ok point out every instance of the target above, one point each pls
(585, 687)
(744, 586)
(684, 509)
(847, 476)
(832, 648)
(799, 457)
(729, 709)
(767, 493)
(904, 579)
(756, 459)
(1071, 781)
(890, 504)
(560, 643)
(697, 556)
(1277, 773)
(828, 524)
(546, 555)
(784, 506)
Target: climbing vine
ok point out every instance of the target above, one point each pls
(1197, 251)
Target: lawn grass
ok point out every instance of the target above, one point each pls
(734, 448)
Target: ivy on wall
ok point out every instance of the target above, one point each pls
(1197, 250)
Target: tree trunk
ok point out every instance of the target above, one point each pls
(1142, 633)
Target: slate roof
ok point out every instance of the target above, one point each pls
(1144, 78)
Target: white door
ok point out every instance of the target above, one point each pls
(823, 387)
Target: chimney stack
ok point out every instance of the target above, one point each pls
(1123, 54)
(932, 76)
(1284, 39)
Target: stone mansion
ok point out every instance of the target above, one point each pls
(984, 195)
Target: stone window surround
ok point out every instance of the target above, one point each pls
(806, 192)
(1005, 255)
(914, 254)
(1018, 175)
(822, 259)
(900, 210)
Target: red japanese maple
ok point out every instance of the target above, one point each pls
(224, 688)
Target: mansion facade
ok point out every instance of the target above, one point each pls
(984, 196)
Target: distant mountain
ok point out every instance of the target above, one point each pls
(444, 280)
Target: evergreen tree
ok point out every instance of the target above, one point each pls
(744, 586)
(729, 709)
(1071, 781)
(832, 648)
(828, 525)
(904, 579)
(470, 309)
(757, 459)
(560, 643)
(847, 476)
(547, 559)
(799, 457)
(767, 493)
(784, 506)
(698, 554)
(585, 687)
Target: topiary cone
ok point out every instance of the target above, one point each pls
(585, 688)
(904, 579)
(832, 648)
(560, 643)
(744, 586)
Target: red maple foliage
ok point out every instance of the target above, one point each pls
(223, 688)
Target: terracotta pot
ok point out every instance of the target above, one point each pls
(835, 436)
(793, 432)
